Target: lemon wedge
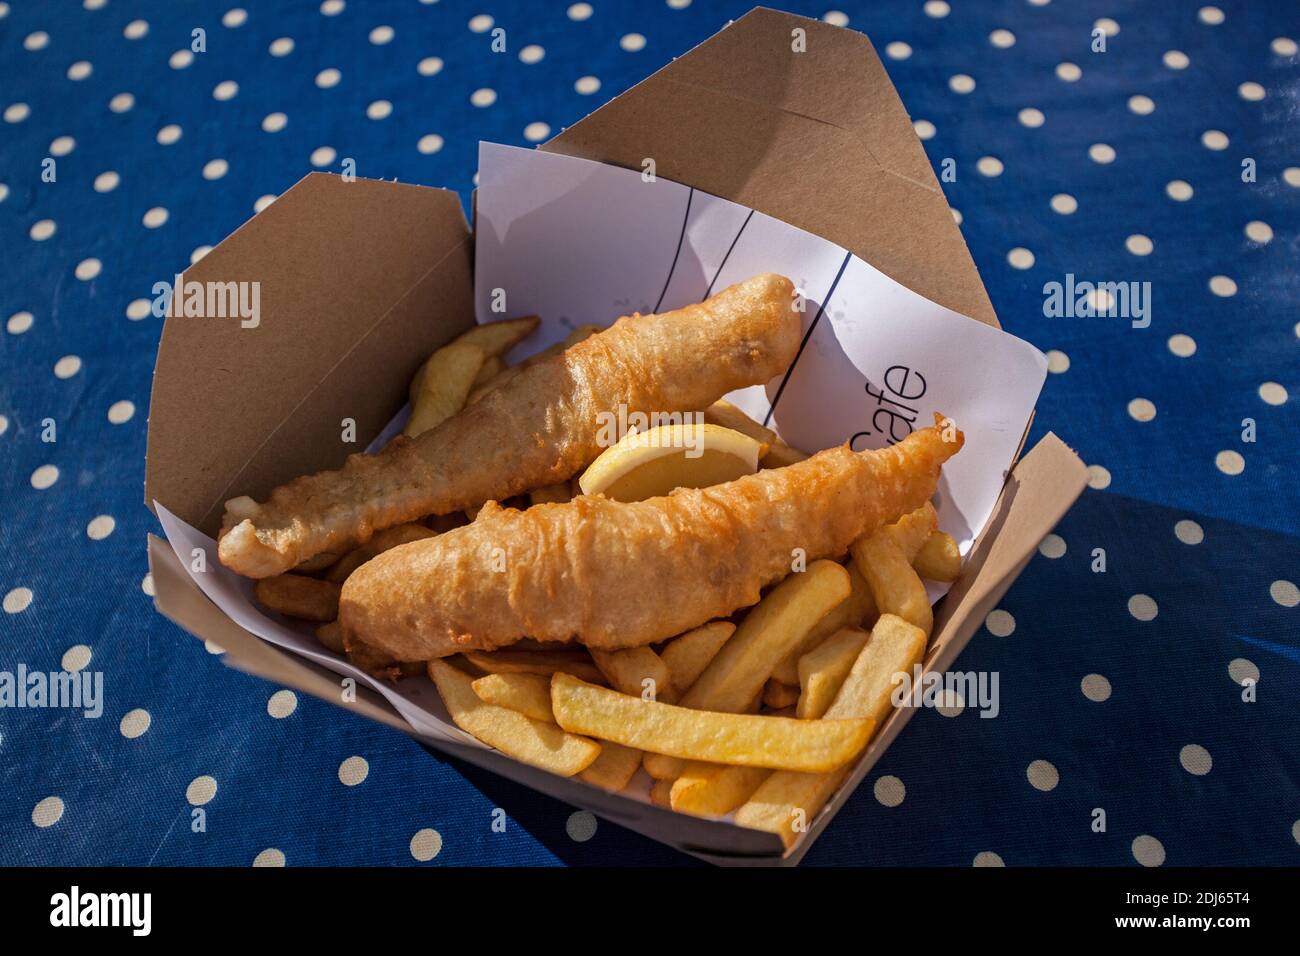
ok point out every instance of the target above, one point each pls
(653, 462)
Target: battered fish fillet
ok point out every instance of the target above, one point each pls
(538, 429)
(614, 575)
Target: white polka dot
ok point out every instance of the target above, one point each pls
(481, 23)
(1147, 850)
(429, 66)
(956, 215)
(1069, 72)
(138, 309)
(1176, 60)
(1223, 286)
(483, 97)
(1064, 203)
(1098, 477)
(322, 156)
(1260, 232)
(989, 166)
(924, 129)
(1053, 546)
(281, 704)
(328, 77)
(1283, 46)
(1189, 532)
(100, 527)
(134, 723)
(42, 229)
(1214, 139)
(898, 50)
(19, 323)
(1139, 245)
(1057, 362)
(1020, 258)
(1101, 153)
(119, 413)
(1291, 176)
(1195, 759)
(381, 35)
(1242, 670)
(1107, 26)
(1141, 105)
(36, 41)
(579, 11)
(274, 122)
(201, 790)
(48, 812)
(1210, 15)
(17, 600)
(67, 366)
(262, 202)
(282, 46)
(429, 143)
(17, 112)
(961, 83)
(1179, 190)
(88, 269)
(272, 857)
(379, 109)
(889, 791)
(215, 168)
(155, 217)
(169, 134)
(75, 658)
(121, 103)
(1095, 687)
(1284, 593)
(62, 145)
(836, 18)
(1031, 118)
(199, 253)
(180, 59)
(146, 585)
(987, 858)
(353, 771)
(586, 85)
(1230, 462)
(426, 844)
(1273, 393)
(1141, 410)
(212, 648)
(581, 826)
(1042, 775)
(632, 42)
(936, 8)
(1002, 39)
(4, 424)
(950, 704)
(225, 90)
(332, 8)
(1101, 301)
(80, 70)
(1184, 346)
(532, 54)
(678, 4)
(1000, 623)
(1251, 92)
(536, 132)
(1143, 607)
(1295, 827)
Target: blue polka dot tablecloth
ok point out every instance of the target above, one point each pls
(1149, 657)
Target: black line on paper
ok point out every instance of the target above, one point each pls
(681, 236)
(722, 265)
(807, 335)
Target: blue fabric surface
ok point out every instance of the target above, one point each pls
(1135, 738)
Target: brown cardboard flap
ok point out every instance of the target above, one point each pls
(359, 281)
(818, 139)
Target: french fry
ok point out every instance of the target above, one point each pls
(489, 370)
(316, 564)
(742, 739)
(780, 454)
(911, 531)
(688, 654)
(787, 803)
(505, 375)
(782, 712)
(778, 696)
(533, 742)
(939, 558)
(855, 610)
(444, 386)
(895, 586)
(664, 767)
(493, 338)
(557, 493)
(712, 789)
(377, 545)
(628, 671)
(661, 792)
(509, 661)
(723, 413)
(331, 637)
(299, 596)
(822, 671)
(529, 694)
(614, 768)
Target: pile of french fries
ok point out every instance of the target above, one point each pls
(761, 716)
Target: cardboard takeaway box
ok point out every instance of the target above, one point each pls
(360, 280)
